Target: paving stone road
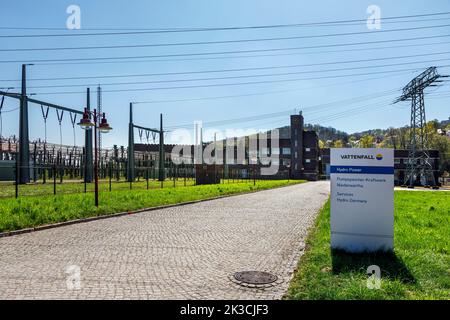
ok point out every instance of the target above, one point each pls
(185, 252)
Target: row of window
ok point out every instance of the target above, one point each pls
(284, 151)
(286, 162)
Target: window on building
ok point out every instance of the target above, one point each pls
(296, 143)
(397, 161)
(296, 155)
(308, 160)
(275, 150)
(307, 149)
(286, 151)
(264, 151)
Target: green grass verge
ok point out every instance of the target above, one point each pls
(419, 267)
(34, 211)
(7, 190)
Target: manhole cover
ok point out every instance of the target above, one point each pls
(255, 277)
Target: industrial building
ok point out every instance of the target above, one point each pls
(298, 152)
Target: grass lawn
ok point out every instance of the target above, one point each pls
(32, 211)
(419, 267)
(7, 190)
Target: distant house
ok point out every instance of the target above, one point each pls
(445, 123)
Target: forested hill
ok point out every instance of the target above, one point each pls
(327, 133)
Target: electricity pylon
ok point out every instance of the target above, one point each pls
(419, 163)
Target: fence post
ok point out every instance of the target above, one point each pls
(110, 175)
(54, 178)
(61, 172)
(174, 174)
(147, 177)
(85, 184)
(44, 178)
(16, 174)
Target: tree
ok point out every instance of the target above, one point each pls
(442, 144)
(366, 141)
(403, 137)
(321, 144)
(338, 144)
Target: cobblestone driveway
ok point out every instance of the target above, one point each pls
(185, 252)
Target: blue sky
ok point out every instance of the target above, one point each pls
(326, 101)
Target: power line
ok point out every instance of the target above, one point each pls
(354, 111)
(266, 92)
(224, 84)
(209, 58)
(211, 71)
(282, 113)
(191, 29)
(346, 114)
(215, 42)
(214, 29)
(233, 77)
(165, 55)
(11, 110)
(240, 83)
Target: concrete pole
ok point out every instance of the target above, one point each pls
(161, 149)
(88, 144)
(131, 172)
(24, 147)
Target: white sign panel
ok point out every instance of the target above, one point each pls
(362, 199)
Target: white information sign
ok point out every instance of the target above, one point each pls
(362, 199)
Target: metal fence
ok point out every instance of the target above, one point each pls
(54, 179)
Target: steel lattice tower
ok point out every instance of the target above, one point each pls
(419, 163)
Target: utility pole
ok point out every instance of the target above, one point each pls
(100, 112)
(88, 144)
(23, 157)
(419, 162)
(131, 160)
(161, 149)
(130, 174)
(24, 147)
(215, 157)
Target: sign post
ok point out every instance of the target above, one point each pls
(362, 199)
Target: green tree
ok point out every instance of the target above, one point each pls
(366, 141)
(321, 144)
(338, 144)
(442, 144)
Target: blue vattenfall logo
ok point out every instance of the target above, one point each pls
(379, 156)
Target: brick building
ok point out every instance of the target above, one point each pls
(298, 152)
